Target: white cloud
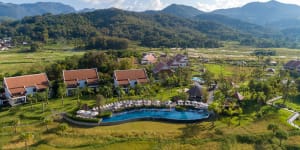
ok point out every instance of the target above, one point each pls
(135, 5)
(221, 4)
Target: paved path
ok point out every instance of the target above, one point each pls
(290, 119)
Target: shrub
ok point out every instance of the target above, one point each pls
(106, 114)
(180, 108)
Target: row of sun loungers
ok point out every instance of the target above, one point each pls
(138, 103)
(131, 104)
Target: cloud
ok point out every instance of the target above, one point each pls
(221, 4)
(134, 5)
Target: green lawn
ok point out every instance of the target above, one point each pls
(136, 135)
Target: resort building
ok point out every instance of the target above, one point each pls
(129, 78)
(196, 92)
(168, 67)
(178, 61)
(17, 88)
(162, 67)
(148, 58)
(293, 65)
(80, 78)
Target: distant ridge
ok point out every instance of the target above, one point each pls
(16, 11)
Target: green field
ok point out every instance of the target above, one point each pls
(135, 135)
(143, 134)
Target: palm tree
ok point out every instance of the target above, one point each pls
(62, 92)
(26, 137)
(46, 122)
(281, 135)
(63, 127)
(273, 127)
(78, 93)
(88, 90)
(240, 111)
(230, 112)
(216, 107)
(99, 102)
(15, 123)
(30, 99)
(47, 95)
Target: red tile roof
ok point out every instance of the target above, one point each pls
(17, 85)
(71, 77)
(125, 76)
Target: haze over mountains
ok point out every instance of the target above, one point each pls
(261, 24)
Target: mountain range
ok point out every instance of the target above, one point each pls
(262, 24)
(15, 11)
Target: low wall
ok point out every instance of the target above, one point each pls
(79, 123)
(153, 119)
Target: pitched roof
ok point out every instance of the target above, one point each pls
(292, 64)
(71, 77)
(124, 76)
(196, 90)
(17, 85)
(160, 67)
(149, 57)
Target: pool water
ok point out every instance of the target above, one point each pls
(170, 114)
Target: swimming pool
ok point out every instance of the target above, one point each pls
(158, 114)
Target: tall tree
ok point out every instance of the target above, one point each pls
(26, 137)
(15, 123)
(281, 135)
(62, 92)
(99, 101)
(47, 122)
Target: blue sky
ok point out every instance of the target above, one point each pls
(140, 5)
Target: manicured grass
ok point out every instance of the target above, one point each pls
(135, 135)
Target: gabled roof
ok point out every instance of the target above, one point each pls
(149, 57)
(71, 77)
(17, 85)
(292, 64)
(123, 77)
(161, 66)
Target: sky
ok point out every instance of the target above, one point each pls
(141, 5)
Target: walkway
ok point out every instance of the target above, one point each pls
(290, 119)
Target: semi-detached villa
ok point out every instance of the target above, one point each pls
(80, 78)
(17, 88)
(129, 78)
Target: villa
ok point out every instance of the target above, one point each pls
(178, 61)
(293, 65)
(148, 58)
(17, 88)
(129, 78)
(80, 78)
(168, 67)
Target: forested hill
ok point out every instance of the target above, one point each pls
(151, 30)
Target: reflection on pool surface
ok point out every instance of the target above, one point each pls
(168, 114)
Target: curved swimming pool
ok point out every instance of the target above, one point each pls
(158, 114)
